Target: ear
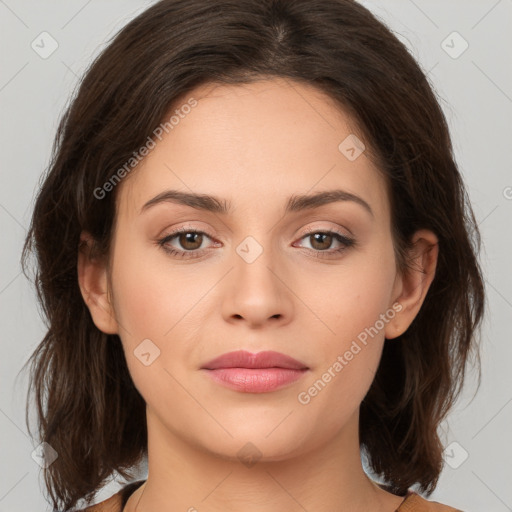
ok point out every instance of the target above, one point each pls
(412, 286)
(92, 279)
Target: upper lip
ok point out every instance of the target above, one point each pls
(244, 359)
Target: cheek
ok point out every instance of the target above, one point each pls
(347, 359)
(140, 300)
(351, 299)
(152, 296)
(158, 302)
(151, 305)
(354, 309)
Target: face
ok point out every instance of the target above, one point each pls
(316, 283)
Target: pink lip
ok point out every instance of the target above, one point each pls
(255, 373)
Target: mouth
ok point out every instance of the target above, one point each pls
(255, 380)
(261, 360)
(254, 373)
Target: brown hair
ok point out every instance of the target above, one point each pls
(88, 408)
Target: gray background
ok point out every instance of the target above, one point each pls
(475, 91)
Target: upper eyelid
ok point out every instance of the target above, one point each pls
(328, 230)
(308, 229)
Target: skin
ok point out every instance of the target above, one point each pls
(255, 145)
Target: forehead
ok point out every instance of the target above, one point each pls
(267, 139)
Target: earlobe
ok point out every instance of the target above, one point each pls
(415, 282)
(93, 282)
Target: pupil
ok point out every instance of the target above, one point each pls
(319, 236)
(189, 239)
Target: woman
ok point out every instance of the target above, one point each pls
(259, 265)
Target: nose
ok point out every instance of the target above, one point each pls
(257, 292)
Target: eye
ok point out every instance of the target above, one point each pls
(190, 239)
(320, 241)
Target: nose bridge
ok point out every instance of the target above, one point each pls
(258, 234)
(254, 259)
(256, 291)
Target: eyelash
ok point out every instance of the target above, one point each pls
(346, 241)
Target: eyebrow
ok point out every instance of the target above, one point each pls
(295, 203)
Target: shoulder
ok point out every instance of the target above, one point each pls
(416, 503)
(116, 502)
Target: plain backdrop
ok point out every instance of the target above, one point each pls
(464, 46)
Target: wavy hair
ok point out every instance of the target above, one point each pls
(88, 409)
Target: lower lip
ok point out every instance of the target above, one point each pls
(255, 380)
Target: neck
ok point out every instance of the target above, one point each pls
(183, 476)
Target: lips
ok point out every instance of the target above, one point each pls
(254, 373)
(244, 359)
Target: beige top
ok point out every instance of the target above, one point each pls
(413, 502)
